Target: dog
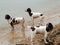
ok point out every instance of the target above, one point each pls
(14, 21)
(42, 29)
(34, 15)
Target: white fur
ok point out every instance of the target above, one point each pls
(20, 20)
(35, 14)
(41, 29)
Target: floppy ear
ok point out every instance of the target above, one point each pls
(7, 17)
(49, 27)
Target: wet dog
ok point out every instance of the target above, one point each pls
(14, 21)
(42, 29)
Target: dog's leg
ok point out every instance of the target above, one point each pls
(33, 22)
(23, 30)
(12, 33)
(45, 38)
(32, 39)
(32, 36)
(12, 25)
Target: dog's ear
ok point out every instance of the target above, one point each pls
(28, 9)
(7, 16)
(49, 27)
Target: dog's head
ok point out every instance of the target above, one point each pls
(30, 27)
(7, 17)
(28, 10)
(49, 27)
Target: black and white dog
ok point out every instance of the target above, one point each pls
(14, 21)
(42, 29)
(34, 15)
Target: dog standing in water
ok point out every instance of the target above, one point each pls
(15, 21)
(42, 29)
(35, 15)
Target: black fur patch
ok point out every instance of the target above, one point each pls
(32, 28)
(7, 17)
(30, 14)
(49, 27)
(28, 10)
(13, 20)
(11, 25)
(41, 14)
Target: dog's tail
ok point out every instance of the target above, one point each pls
(41, 14)
(23, 20)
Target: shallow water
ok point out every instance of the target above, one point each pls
(17, 8)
